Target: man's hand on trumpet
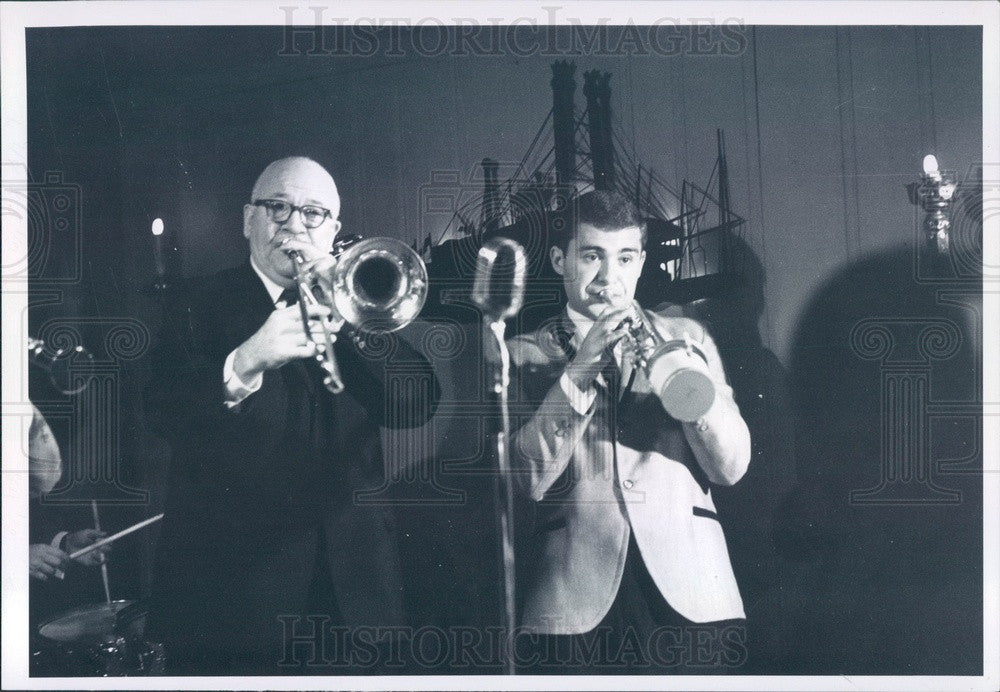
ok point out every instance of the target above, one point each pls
(595, 350)
(280, 340)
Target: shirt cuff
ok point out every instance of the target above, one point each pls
(236, 390)
(580, 400)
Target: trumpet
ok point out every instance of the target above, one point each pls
(378, 285)
(677, 369)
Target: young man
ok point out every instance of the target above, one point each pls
(628, 553)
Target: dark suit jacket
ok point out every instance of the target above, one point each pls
(258, 491)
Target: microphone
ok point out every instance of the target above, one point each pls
(499, 292)
(500, 278)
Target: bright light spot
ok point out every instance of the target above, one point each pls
(930, 164)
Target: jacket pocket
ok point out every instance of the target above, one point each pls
(707, 513)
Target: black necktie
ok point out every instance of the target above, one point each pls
(611, 375)
(290, 296)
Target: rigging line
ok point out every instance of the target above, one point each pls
(464, 207)
(619, 139)
(579, 123)
(760, 168)
(533, 142)
(585, 161)
(530, 186)
(706, 194)
(854, 140)
(626, 179)
(532, 171)
(547, 144)
(545, 177)
(631, 101)
(617, 130)
(926, 81)
(653, 202)
(711, 179)
(447, 228)
(624, 157)
(671, 191)
(654, 179)
(746, 135)
(578, 173)
(704, 198)
(684, 127)
(457, 214)
(659, 181)
(545, 158)
(629, 149)
(537, 163)
(930, 90)
(838, 53)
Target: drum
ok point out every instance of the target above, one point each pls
(678, 372)
(105, 639)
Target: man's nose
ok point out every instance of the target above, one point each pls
(293, 224)
(605, 272)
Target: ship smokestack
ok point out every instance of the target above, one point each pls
(563, 123)
(597, 89)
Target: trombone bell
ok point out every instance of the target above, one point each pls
(379, 285)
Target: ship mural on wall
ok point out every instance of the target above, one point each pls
(690, 231)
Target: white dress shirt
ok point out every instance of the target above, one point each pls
(236, 389)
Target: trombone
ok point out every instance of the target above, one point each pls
(378, 285)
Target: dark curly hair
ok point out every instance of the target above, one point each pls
(606, 210)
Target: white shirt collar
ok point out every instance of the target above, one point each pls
(581, 324)
(273, 289)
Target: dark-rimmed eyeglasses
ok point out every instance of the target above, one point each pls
(280, 211)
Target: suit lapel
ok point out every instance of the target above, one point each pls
(248, 304)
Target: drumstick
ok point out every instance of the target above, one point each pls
(104, 564)
(115, 537)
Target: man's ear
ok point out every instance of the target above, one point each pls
(558, 259)
(642, 259)
(248, 209)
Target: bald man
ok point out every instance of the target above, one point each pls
(264, 544)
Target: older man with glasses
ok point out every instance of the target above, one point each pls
(265, 553)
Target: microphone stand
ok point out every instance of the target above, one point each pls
(500, 295)
(504, 487)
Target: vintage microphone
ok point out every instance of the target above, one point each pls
(499, 292)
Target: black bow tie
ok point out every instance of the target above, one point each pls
(290, 296)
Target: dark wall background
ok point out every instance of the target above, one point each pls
(824, 126)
